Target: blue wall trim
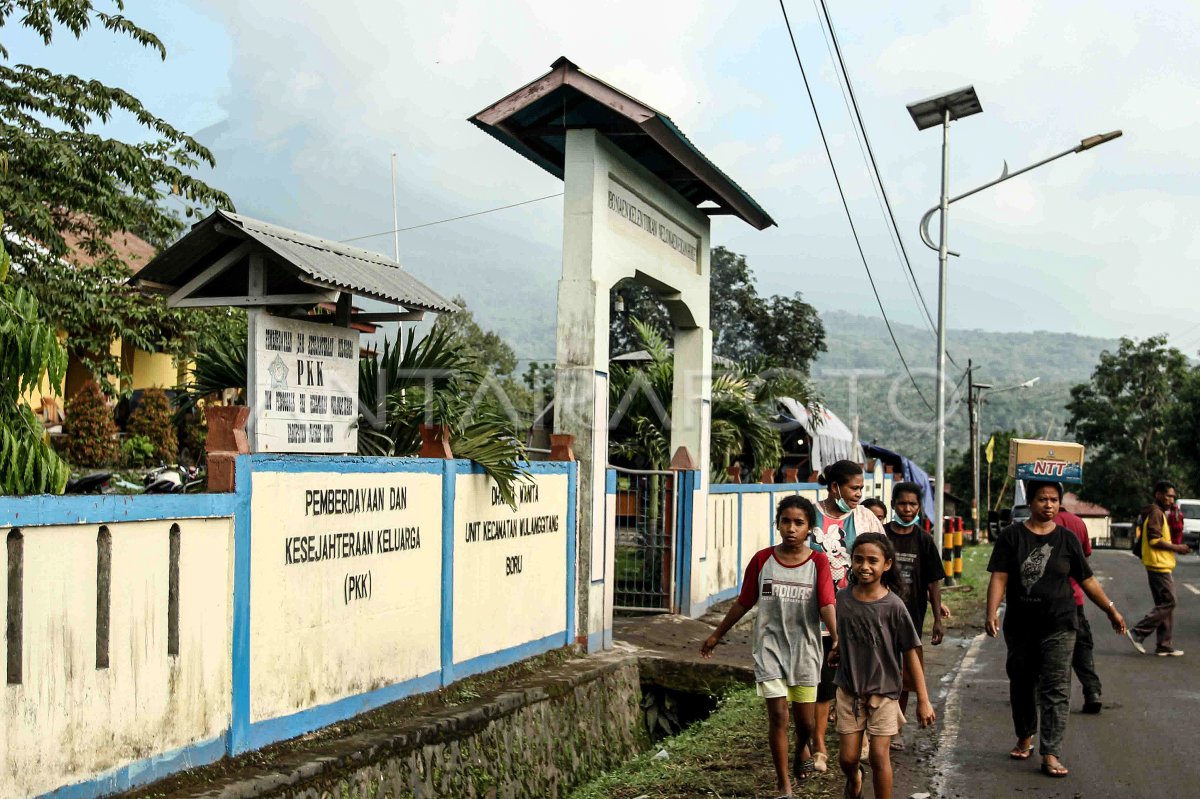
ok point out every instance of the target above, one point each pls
(449, 482)
(572, 534)
(683, 539)
(513, 654)
(762, 488)
(239, 725)
(533, 467)
(145, 771)
(243, 735)
(704, 604)
(355, 464)
(46, 509)
(599, 639)
(270, 731)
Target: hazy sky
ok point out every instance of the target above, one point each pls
(303, 101)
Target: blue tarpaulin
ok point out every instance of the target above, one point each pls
(908, 470)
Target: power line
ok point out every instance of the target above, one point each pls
(909, 280)
(846, 206)
(451, 219)
(875, 167)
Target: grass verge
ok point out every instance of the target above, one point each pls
(725, 756)
(968, 600)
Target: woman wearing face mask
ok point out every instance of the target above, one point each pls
(840, 517)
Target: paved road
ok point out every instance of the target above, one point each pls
(1142, 745)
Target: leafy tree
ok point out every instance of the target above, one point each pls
(29, 354)
(65, 177)
(784, 331)
(66, 181)
(640, 398)
(1123, 416)
(1184, 421)
(94, 306)
(90, 429)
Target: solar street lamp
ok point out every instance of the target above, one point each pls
(941, 110)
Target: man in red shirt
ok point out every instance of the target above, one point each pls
(1083, 660)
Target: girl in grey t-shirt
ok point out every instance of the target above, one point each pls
(792, 586)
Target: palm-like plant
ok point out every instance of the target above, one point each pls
(743, 407)
(432, 382)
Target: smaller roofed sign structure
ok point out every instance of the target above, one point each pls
(302, 371)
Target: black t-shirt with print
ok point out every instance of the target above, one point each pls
(919, 563)
(1039, 597)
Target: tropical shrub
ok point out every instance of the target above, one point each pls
(153, 419)
(137, 451)
(91, 431)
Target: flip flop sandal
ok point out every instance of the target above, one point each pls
(896, 746)
(1021, 754)
(820, 762)
(862, 780)
(804, 769)
(1058, 772)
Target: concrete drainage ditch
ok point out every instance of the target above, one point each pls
(540, 736)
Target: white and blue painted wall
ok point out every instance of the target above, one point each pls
(720, 529)
(149, 634)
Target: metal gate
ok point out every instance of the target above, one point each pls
(645, 550)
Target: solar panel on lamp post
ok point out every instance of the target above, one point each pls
(925, 114)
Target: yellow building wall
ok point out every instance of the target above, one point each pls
(153, 370)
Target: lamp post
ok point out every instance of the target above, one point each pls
(975, 401)
(940, 110)
(927, 113)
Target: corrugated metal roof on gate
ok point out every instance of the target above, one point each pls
(321, 261)
(534, 119)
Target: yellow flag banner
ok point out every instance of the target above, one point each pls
(990, 449)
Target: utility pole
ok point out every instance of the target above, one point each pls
(973, 415)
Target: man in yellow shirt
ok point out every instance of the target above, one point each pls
(1158, 556)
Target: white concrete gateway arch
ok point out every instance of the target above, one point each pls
(637, 201)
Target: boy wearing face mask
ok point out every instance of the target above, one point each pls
(920, 564)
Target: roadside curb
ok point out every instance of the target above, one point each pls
(948, 736)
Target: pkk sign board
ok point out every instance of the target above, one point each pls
(305, 379)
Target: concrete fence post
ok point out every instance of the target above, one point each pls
(561, 447)
(435, 441)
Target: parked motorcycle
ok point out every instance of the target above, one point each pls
(94, 483)
(174, 480)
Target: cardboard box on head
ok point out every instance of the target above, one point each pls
(1034, 459)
